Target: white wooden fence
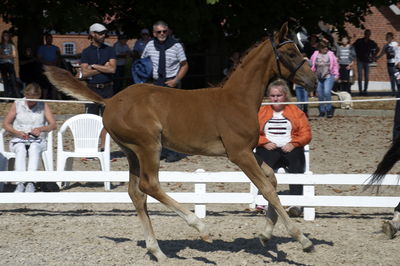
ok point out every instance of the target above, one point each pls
(200, 196)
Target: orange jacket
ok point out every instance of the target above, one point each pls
(301, 130)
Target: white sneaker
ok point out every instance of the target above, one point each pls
(20, 188)
(30, 187)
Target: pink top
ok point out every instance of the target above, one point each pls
(334, 66)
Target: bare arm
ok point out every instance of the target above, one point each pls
(108, 68)
(7, 123)
(181, 73)
(51, 122)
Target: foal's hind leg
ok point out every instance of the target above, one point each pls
(139, 200)
(390, 228)
(150, 185)
(246, 161)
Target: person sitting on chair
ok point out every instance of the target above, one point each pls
(26, 120)
(284, 131)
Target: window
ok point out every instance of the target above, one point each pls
(69, 48)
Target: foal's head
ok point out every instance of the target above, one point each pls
(290, 62)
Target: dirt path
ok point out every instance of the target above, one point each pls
(110, 234)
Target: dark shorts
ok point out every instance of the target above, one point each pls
(105, 91)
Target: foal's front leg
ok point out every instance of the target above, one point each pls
(271, 215)
(247, 162)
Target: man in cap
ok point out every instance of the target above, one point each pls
(98, 64)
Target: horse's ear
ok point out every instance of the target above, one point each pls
(283, 32)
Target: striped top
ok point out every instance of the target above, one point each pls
(278, 129)
(174, 56)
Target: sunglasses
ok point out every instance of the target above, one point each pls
(101, 32)
(161, 31)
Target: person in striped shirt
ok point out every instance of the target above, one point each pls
(284, 131)
(167, 55)
(169, 67)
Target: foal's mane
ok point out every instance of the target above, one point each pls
(233, 68)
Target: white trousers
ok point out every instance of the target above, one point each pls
(34, 154)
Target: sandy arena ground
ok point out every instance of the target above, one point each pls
(110, 234)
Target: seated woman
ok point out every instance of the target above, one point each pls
(26, 120)
(284, 131)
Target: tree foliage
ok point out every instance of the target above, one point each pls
(199, 23)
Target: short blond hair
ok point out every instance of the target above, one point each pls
(279, 83)
(33, 89)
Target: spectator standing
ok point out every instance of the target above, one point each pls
(140, 43)
(122, 53)
(346, 56)
(26, 120)
(49, 55)
(169, 66)
(8, 55)
(324, 64)
(366, 51)
(29, 68)
(98, 64)
(284, 131)
(390, 50)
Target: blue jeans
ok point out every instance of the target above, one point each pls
(393, 81)
(324, 93)
(301, 96)
(360, 67)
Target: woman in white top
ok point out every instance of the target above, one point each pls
(29, 122)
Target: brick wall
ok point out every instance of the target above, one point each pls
(381, 21)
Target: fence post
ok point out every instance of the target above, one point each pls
(309, 213)
(200, 209)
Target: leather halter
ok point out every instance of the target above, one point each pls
(280, 59)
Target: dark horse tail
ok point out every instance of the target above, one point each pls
(387, 163)
(67, 83)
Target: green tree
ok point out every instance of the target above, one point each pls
(219, 25)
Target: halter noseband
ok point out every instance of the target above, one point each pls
(280, 59)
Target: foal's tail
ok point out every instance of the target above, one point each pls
(64, 81)
(388, 161)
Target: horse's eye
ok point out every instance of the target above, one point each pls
(292, 55)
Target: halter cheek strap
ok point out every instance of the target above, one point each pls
(279, 59)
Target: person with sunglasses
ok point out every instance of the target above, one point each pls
(98, 64)
(167, 55)
(169, 67)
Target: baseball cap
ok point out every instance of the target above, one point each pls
(97, 27)
(144, 31)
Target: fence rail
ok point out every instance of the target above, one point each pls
(200, 196)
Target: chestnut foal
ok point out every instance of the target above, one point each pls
(220, 121)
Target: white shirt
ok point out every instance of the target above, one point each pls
(278, 129)
(173, 57)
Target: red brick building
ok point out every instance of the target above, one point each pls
(381, 21)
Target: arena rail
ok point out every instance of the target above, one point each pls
(200, 196)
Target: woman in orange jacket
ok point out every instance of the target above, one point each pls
(284, 131)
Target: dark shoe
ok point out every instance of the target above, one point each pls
(49, 187)
(321, 114)
(294, 211)
(330, 113)
(172, 158)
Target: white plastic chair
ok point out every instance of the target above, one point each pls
(85, 129)
(8, 157)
